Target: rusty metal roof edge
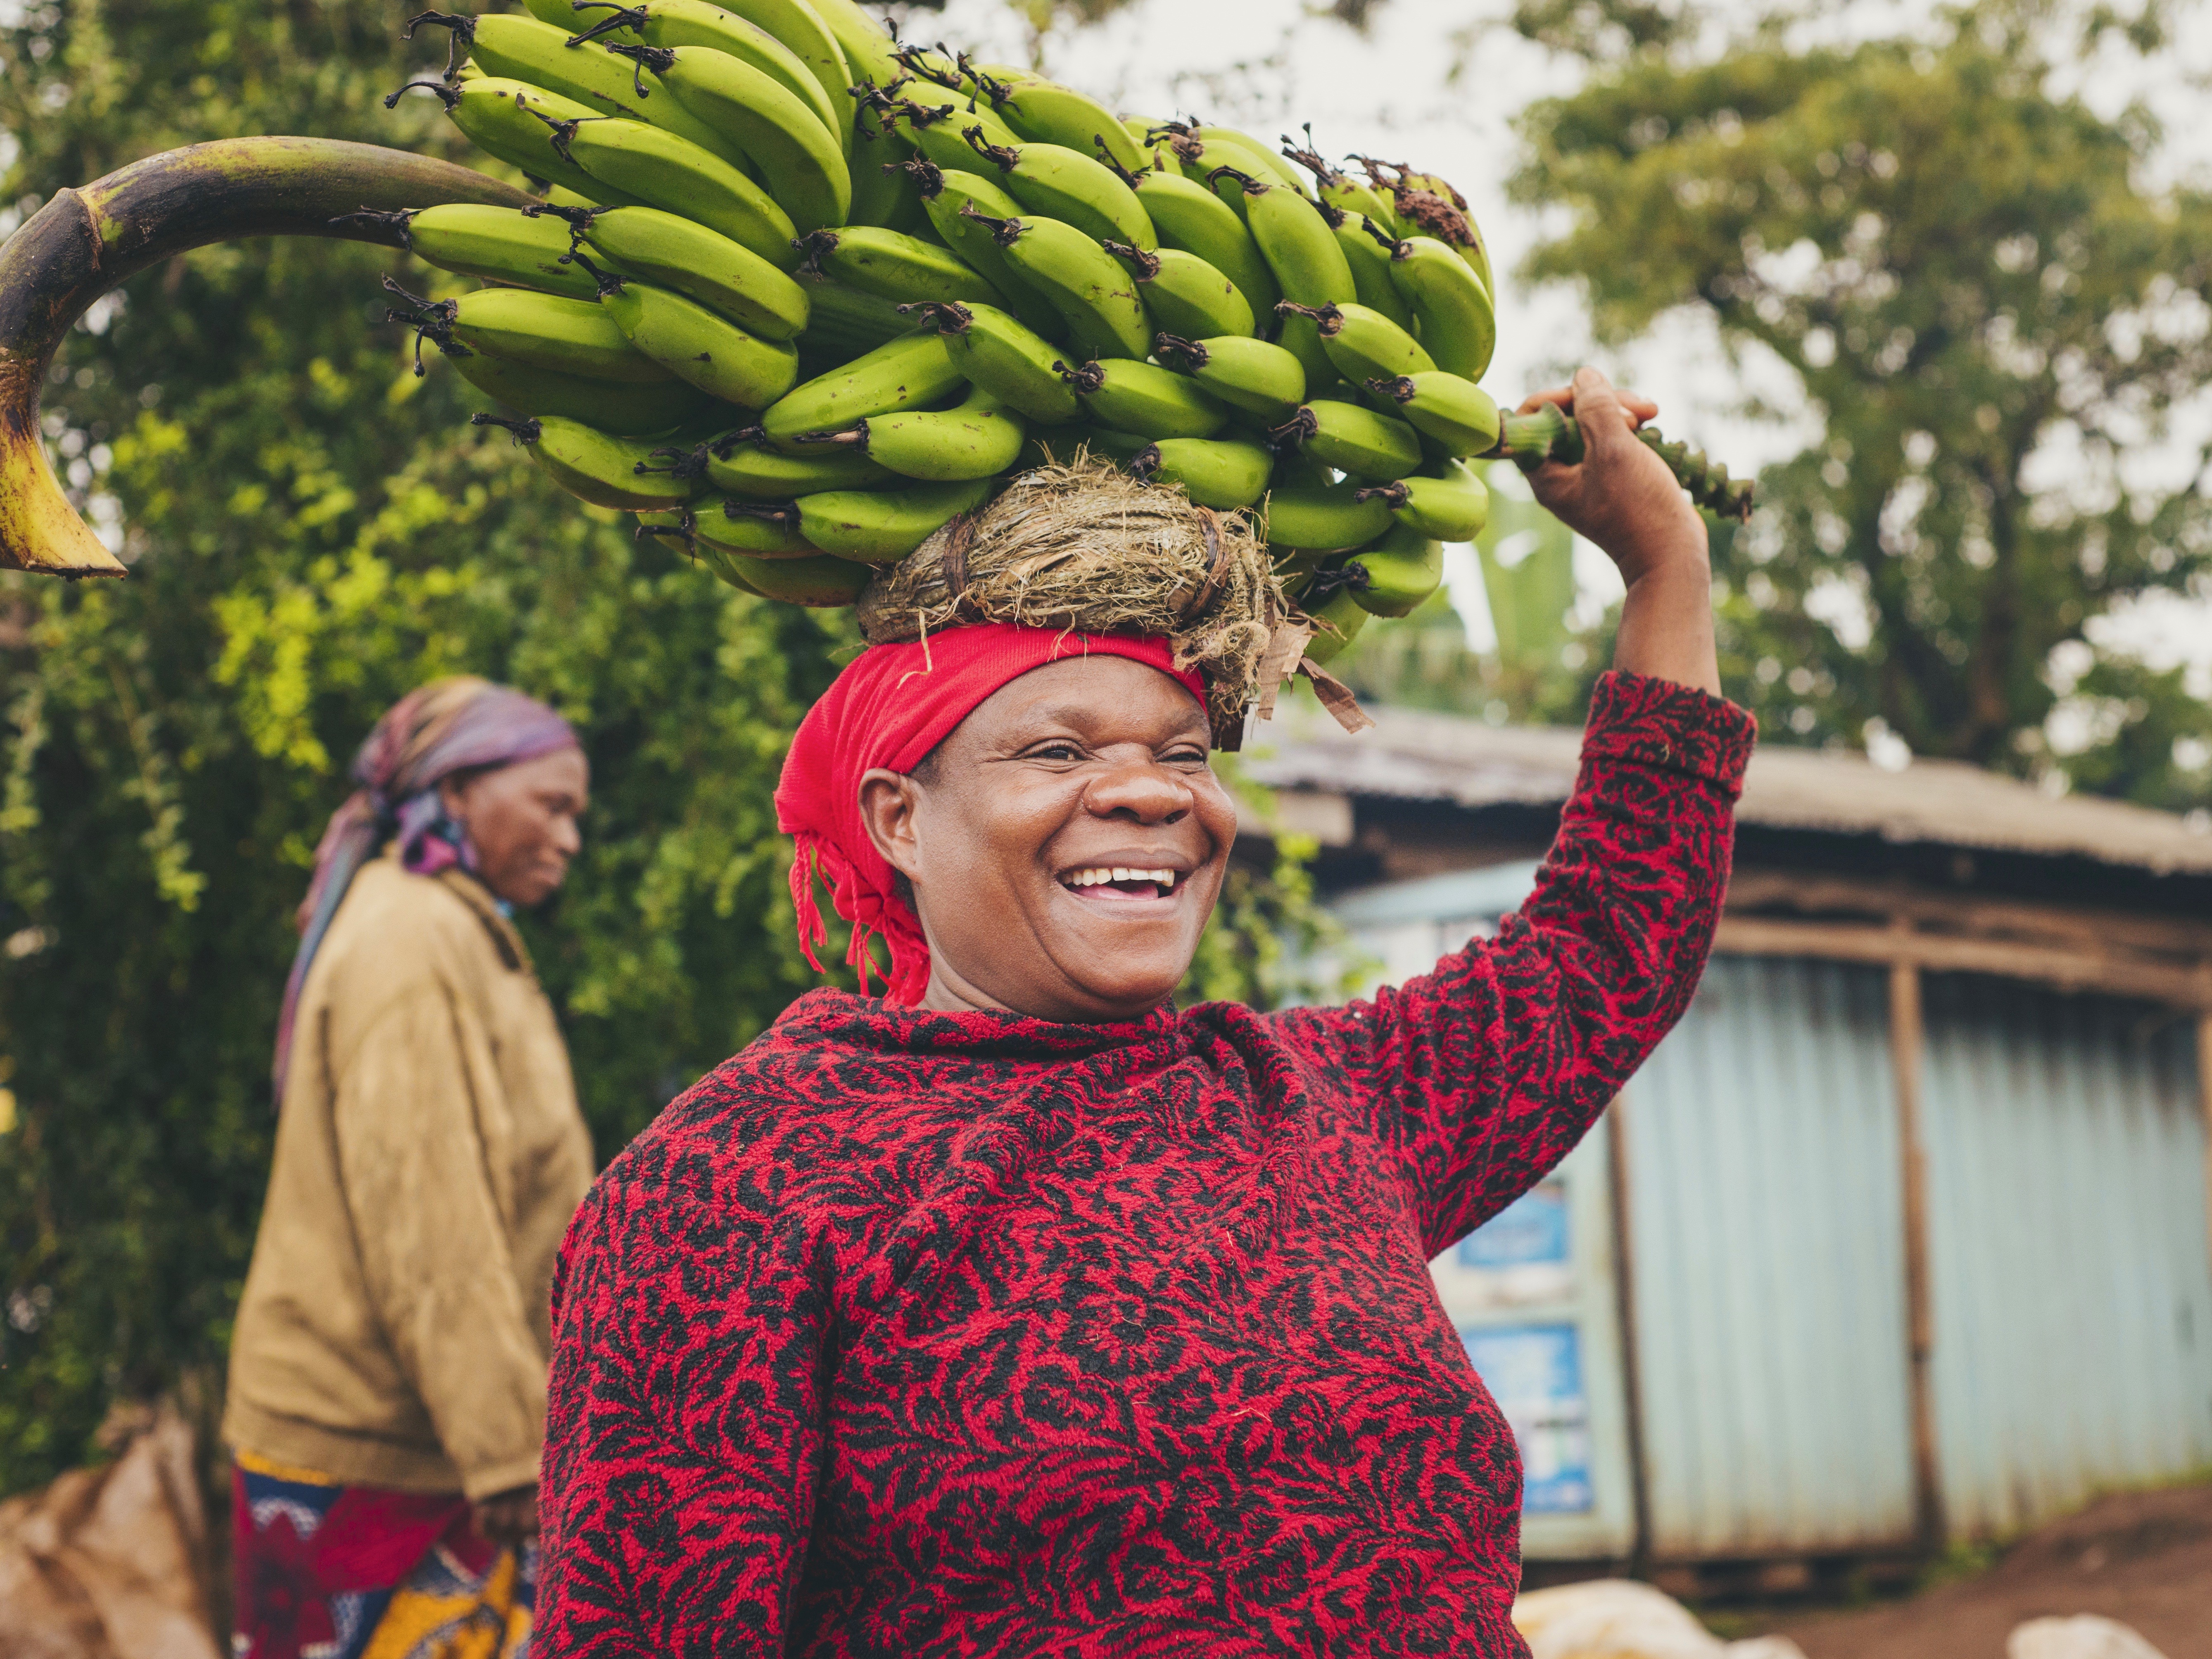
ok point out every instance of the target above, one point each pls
(1417, 755)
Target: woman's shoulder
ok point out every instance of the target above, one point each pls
(396, 931)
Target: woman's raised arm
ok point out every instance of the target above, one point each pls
(1483, 1073)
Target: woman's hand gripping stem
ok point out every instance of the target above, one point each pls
(1622, 497)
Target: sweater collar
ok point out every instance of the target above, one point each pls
(871, 1023)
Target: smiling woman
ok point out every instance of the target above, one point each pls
(1018, 1311)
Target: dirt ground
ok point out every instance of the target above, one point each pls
(2144, 1559)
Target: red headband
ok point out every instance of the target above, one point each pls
(891, 706)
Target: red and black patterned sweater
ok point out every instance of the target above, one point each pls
(909, 1334)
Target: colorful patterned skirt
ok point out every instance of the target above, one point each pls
(326, 1570)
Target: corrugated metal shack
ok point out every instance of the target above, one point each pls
(1901, 1237)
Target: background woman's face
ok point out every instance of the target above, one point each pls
(522, 819)
(1066, 844)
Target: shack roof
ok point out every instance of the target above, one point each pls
(1415, 756)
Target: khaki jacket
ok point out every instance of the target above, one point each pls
(394, 1330)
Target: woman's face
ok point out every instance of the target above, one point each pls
(522, 819)
(1013, 833)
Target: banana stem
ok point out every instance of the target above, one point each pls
(1552, 434)
(89, 240)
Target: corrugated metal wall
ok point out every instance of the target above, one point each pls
(1768, 1266)
(2070, 1271)
(2073, 1301)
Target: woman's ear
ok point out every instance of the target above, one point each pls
(889, 802)
(454, 796)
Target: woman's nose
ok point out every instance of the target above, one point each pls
(1142, 790)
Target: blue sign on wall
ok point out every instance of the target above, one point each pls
(1530, 1231)
(1534, 1372)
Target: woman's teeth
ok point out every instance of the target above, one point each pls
(1100, 876)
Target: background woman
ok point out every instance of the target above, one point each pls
(1021, 1313)
(387, 1376)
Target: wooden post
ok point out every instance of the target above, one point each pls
(1905, 1049)
(1624, 1292)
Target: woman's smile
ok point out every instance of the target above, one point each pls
(1126, 882)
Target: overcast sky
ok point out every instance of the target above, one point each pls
(1265, 65)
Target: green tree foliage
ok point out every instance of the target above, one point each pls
(313, 531)
(1992, 316)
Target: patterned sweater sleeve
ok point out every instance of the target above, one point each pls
(1480, 1076)
(684, 1431)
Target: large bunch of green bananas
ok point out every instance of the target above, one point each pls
(798, 294)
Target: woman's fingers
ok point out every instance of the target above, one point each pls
(1640, 408)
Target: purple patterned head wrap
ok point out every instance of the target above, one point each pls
(456, 724)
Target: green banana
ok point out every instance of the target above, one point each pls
(1255, 376)
(501, 116)
(1189, 216)
(800, 26)
(942, 195)
(496, 243)
(1347, 195)
(842, 322)
(700, 346)
(819, 581)
(866, 47)
(799, 157)
(976, 439)
(1014, 363)
(1296, 469)
(753, 528)
(542, 331)
(1183, 294)
(700, 23)
(882, 192)
(1324, 516)
(1145, 398)
(1452, 504)
(908, 372)
(1363, 344)
(1047, 112)
(1455, 411)
(1203, 151)
(823, 583)
(594, 466)
(742, 466)
(939, 130)
(1352, 439)
(1095, 297)
(1059, 183)
(1058, 444)
(523, 49)
(1459, 326)
(1341, 619)
(1222, 473)
(1397, 574)
(883, 526)
(623, 408)
(665, 171)
(1367, 245)
(1425, 204)
(903, 269)
(668, 248)
(1301, 249)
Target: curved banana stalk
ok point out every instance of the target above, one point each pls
(90, 239)
(1550, 433)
